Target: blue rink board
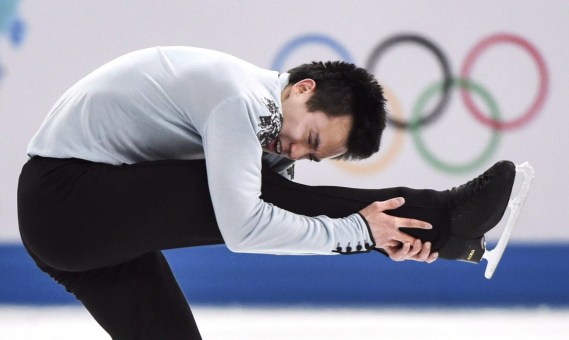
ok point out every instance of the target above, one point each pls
(529, 275)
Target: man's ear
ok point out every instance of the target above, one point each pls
(305, 85)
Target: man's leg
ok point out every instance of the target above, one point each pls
(460, 216)
(97, 230)
(425, 204)
(77, 215)
(139, 299)
(167, 204)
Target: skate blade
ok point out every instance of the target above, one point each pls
(515, 204)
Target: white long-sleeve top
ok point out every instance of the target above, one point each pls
(190, 103)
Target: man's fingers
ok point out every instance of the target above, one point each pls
(416, 248)
(404, 238)
(393, 243)
(390, 204)
(399, 253)
(416, 251)
(404, 251)
(412, 223)
(423, 255)
(433, 257)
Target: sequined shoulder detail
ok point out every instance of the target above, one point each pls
(270, 125)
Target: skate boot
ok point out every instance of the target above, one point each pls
(478, 206)
(475, 208)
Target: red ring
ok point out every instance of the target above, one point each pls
(543, 86)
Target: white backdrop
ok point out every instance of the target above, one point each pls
(64, 40)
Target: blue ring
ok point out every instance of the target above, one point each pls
(320, 39)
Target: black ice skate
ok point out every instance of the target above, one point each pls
(478, 206)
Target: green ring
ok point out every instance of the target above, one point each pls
(430, 157)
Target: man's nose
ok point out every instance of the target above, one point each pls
(298, 151)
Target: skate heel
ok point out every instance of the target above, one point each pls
(493, 256)
(463, 249)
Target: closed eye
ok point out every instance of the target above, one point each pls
(313, 142)
(315, 148)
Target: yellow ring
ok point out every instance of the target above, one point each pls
(359, 168)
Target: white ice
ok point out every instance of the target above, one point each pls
(74, 323)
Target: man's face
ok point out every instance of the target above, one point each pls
(308, 135)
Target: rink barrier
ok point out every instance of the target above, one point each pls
(530, 275)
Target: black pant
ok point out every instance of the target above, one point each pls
(99, 229)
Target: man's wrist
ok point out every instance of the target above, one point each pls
(370, 235)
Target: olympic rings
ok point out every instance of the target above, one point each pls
(309, 39)
(543, 84)
(421, 119)
(465, 85)
(445, 67)
(381, 162)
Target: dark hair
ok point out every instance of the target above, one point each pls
(342, 89)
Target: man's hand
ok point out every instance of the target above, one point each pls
(417, 252)
(397, 244)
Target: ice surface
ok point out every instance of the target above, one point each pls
(300, 323)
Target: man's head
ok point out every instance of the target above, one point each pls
(331, 109)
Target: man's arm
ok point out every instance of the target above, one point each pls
(411, 250)
(248, 224)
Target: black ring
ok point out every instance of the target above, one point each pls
(443, 60)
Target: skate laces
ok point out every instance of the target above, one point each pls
(466, 192)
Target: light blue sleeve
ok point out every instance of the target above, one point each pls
(247, 223)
